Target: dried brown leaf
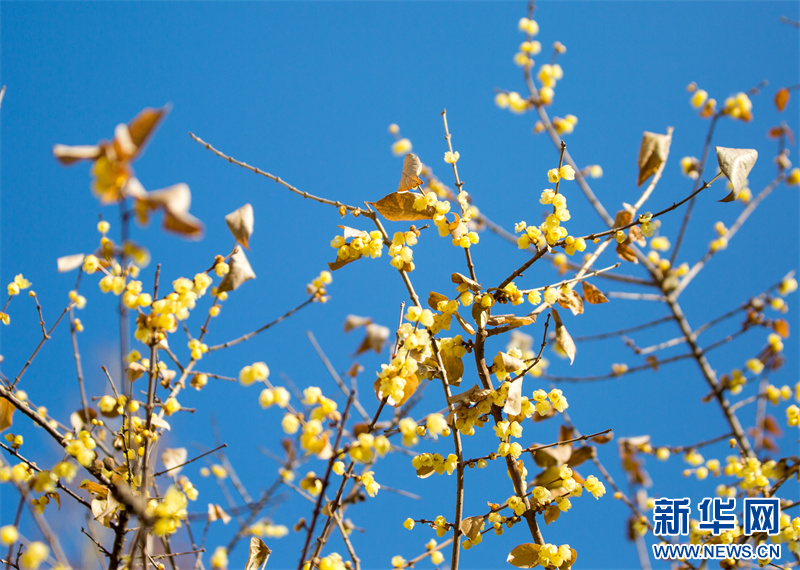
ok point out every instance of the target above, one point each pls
(735, 164)
(240, 223)
(653, 152)
(6, 414)
(377, 335)
(259, 554)
(354, 321)
(71, 154)
(524, 556)
(581, 455)
(514, 320)
(781, 98)
(569, 299)
(240, 271)
(592, 294)
(399, 207)
(625, 253)
(217, 513)
(143, 125)
(412, 166)
(458, 279)
(551, 513)
(563, 339)
(781, 326)
(472, 526)
(464, 324)
(425, 471)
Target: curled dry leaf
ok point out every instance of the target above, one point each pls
(159, 422)
(69, 262)
(513, 320)
(464, 324)
(592, 294)
(513, 403)
(217, 513)
(171, 458)
(735, 164)
(240, 223)
(6, 414)
(569, 299)
(472, 526)
(135, 370)
(377, 335)
(458, 279)
(259, 554)
(453, 368)
(563, 339)
(399, 207)
(67, 155)
(471, 396)
(354, 321)
(781, 99)
(653, 153)
(412, 166)
(508, 363)
(175, 200)
(240, 271)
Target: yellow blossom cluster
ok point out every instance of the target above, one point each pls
(18, 284)
(401, 252)
(700, 100)
(169, 512)
(81, 448)
(317, 286)
(739, 107)
(436, 462)
(366, 446)
(369, 244)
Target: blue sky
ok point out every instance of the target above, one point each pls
(306, 91)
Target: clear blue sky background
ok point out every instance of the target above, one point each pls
(306, 91)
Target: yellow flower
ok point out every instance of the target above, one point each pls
(34, 555)
(451, 157)
(401, 147)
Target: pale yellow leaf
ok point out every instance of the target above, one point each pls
(735, 164)
(171, 458)
(69, 262)
(563, 338)
(472, 526)
(6, 414)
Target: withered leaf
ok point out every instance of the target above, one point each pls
(354, 321)
(171, 458)
(6, 414)
(592, 294)
(653, 362)
(102, 513)
(626, 253)
(563, 339)
(472, 526)
(514, 401)
(240, 271)
(95, 489)
(569, 299)
(552, 456)
(514, 320)
(472, 396)
(781, 98)
(771, 426)
(339, 263)
(603, 438)
(240, 223)
(135, 371)
(464, 324)
(653, 152)
(412, 166)
(453, 368)
(581, 455)
(480, 315)
(67, 155)
(377, 336)
(56, 497)
(399, 207)
(458, 279)
(551, 513)
(524, 556)
(508, 363)
(259, 554)
(217, 513)
(781, 326)
(143, 125)
(735, 164)
(636, 236)
(69, 262)
(159, 422)
(622, 218)
(176, 201)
